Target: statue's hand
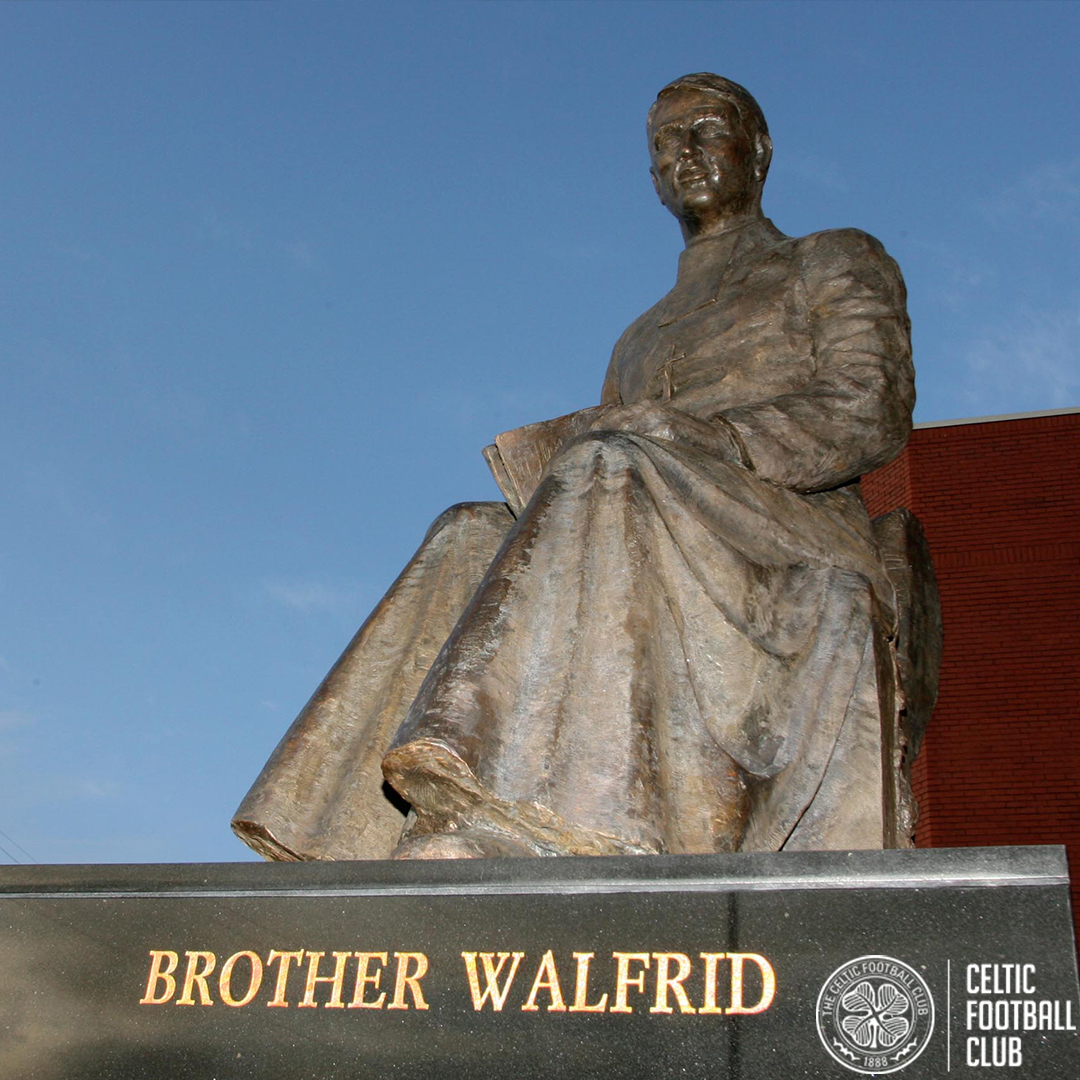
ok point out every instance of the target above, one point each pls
(660, 421)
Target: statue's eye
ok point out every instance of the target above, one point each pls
(711, 129)
(668, 140)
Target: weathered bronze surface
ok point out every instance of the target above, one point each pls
(681, 635)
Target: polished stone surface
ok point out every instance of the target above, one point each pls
(889, 957)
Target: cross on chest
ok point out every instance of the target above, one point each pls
(665, 371)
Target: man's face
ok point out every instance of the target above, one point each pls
(703, 161)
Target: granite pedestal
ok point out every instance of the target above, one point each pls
(931, 964)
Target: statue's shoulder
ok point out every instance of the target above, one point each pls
(646, 322)
(833, 251)
(840, 244)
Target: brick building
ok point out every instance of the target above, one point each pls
(999, 498)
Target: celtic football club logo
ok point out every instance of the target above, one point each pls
(875, 1014)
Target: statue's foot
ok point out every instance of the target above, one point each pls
(461, 844)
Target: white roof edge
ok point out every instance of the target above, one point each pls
(997, 419)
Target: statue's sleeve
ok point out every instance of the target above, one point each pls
(854, 414)
(609, 393)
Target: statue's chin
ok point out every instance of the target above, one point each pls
(699, 197)
(704, 206)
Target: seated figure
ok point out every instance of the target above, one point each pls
(680, 638)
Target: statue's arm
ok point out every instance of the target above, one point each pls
(660, 420)
(855, 413)
(609, 394)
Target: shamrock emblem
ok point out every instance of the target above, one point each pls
(875, 1017)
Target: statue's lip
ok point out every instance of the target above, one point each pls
(690, 174)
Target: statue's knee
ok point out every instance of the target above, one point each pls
(607, 453)
(470, 515)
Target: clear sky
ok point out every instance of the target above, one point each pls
(274, 274)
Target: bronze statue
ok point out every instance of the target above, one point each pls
(678, 636)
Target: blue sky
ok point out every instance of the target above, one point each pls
(275, 273)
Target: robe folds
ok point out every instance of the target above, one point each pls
(682, 642)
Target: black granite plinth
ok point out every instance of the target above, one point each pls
(931, 964)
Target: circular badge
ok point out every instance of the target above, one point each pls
(875, 1014)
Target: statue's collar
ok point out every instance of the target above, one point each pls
(721, 246)
(720, 234)
(703, 267)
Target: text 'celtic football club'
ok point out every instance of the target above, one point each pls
(1004, 1000)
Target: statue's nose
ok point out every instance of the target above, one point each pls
(689, 145)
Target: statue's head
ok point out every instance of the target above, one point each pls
(710, 151)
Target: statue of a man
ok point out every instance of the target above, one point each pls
(681, 643)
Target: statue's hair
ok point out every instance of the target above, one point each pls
(749, 110)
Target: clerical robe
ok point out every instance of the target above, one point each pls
(681, 644)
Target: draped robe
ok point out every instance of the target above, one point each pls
(681, 644)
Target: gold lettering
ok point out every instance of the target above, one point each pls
(768, 983)
(403, 979)
(581, 986)
(666, 982)
(194, 977)
(337, 980)
(363, 978)
(225, 979)
(157, 975)
(709, 1006)
(547, 978)
(492, 972)
(623, 979)
(284, 960)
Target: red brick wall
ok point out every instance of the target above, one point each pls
(1000, 503)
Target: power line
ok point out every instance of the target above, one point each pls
(9, 855)
(16, 843)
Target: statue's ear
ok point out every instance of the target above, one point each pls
(762, 157)
(656, 184)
